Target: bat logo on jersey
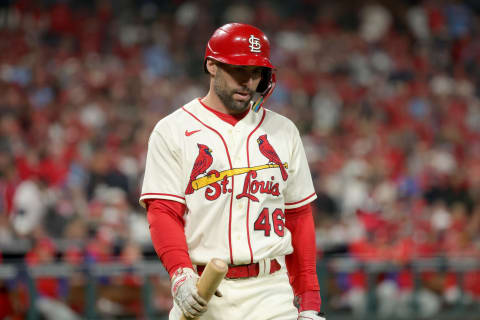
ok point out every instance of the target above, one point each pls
(267, 150)
(217, 182)
(202, 163)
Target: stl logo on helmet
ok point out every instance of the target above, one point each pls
(217, 183)
(255, 44)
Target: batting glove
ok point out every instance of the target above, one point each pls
(311, 315)
(185, 293)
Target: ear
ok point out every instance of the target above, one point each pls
(211, 67)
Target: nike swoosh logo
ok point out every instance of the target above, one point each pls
(189, 133)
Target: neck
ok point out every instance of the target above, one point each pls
(214, 102)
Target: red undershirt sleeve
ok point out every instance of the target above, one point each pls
(165, 219)
(301, 264)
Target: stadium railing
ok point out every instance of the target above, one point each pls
(327, 270)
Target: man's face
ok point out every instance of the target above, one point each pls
(235, 85)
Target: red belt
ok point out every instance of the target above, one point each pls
(245, 270)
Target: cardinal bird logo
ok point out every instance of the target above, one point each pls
(202, 163)
(267, 150)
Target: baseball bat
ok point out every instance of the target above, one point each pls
(211, 277)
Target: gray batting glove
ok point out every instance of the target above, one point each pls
(185, 293)
(310, 315)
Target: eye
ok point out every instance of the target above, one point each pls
(245, 71)
(256, 73)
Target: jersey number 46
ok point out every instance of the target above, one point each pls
(263, 222)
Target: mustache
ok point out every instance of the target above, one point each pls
(244, 91)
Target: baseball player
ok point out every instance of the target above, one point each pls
(226, 178)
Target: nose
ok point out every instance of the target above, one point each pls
(247, 78)
(249, 82)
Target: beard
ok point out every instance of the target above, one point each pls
(226, 96)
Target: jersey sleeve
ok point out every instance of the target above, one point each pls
(300, 190)
(163, 169)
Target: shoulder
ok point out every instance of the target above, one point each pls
(175, 121)
(277, 120)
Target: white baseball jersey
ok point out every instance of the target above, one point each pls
(230, 179)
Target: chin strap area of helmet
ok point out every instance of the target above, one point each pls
(265, 95)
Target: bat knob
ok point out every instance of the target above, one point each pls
(220, 265)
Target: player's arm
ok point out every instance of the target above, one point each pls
(166, 223)
(165, 219)
(301, 264)
(163, 168)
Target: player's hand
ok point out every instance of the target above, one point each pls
(185, 293)
(311, 315)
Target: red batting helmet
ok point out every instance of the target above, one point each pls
(243, 45)
(239, 44)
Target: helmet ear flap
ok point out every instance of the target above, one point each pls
(265, 81)
(265, 87)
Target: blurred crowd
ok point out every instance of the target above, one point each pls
(385, 94)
